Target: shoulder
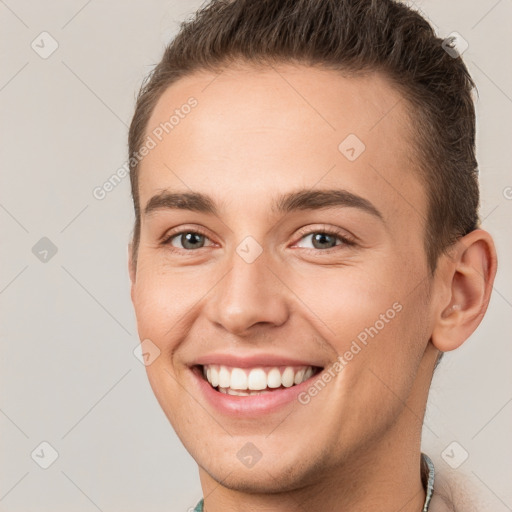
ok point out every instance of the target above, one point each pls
(439, 503)
(455, 492)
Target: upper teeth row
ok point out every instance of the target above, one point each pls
(255, 378)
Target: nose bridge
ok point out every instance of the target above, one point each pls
(248, 294)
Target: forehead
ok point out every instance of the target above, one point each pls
(251, 130)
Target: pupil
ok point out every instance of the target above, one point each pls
(188, 240)
(321, 239)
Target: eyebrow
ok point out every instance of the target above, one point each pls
(305, 199)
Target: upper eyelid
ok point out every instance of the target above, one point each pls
(342, 233)
(171, 233)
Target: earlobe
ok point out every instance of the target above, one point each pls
(472, 269)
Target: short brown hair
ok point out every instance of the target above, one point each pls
(350, 36)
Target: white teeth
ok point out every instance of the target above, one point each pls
(235, 392)
(214, 375)
(299, 376)
(238, 379)
(274, 378)
(244, 381)
(287, 377)
(224, 377)
(257, 379)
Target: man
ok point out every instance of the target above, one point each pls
(306, 246)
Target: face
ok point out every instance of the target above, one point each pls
(294, 267)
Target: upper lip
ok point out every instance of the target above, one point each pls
(252, 361)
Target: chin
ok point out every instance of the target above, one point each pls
(267, 479)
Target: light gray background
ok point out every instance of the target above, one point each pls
(68, 374)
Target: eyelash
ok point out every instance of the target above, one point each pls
(346, 240)
(342, 236)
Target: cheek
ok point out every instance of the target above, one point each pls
(344, 301)
(370, 318)
(162, 299)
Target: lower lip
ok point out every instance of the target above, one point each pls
(252, 405)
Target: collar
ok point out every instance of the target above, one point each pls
(427, 478)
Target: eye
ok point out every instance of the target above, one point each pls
(326, 239)
(187, 240)
(321, 239)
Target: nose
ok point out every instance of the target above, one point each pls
(249, 294)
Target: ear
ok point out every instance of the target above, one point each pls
(470, 272)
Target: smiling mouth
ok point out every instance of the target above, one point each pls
(255, 381)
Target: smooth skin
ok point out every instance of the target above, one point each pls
(254, 135)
